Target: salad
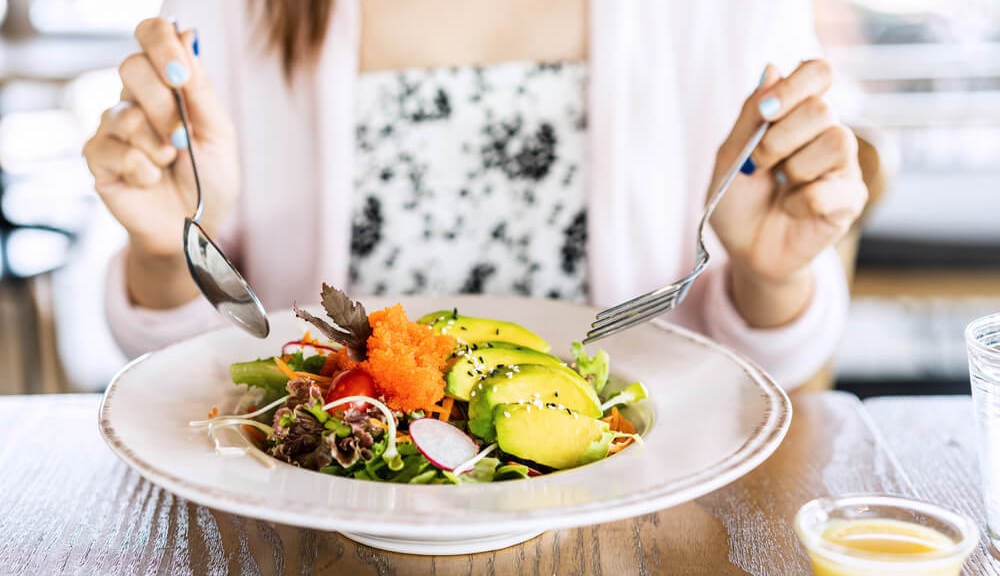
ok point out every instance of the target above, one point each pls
(447, 399)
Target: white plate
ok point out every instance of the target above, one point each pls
(711, 418)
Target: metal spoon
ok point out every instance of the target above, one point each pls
(215, 275)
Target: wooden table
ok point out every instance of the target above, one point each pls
(68, 505)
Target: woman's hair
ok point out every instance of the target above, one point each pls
(296, 30)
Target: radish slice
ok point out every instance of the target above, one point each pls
(444, 445)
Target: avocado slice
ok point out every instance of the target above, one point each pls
(536, 384)
(557, 438)
(470, 330)
(477, 361)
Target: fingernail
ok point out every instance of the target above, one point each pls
(177, 74)
(194, 45)
(769, 106)
(748, 167)
(780, 178)
(151, 175)
(763, 77)
(179, 138)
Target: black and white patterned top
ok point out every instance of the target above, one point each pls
(471, 180)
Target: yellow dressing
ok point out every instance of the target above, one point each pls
(881, 536)
(905, 543)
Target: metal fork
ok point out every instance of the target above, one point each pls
(642, 308)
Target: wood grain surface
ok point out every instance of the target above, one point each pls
(933, 439)
(69, 506)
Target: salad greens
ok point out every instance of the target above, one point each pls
(339, 412)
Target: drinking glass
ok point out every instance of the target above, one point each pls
(982, 342)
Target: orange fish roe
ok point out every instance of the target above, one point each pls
(406, 360)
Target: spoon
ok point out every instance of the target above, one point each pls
(216, 277)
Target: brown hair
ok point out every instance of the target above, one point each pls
(296, 30)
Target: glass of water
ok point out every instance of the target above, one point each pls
(982, 341)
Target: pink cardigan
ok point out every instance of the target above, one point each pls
(667, 81)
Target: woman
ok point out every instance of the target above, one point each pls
(553, 149)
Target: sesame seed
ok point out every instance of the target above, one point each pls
(473, 394)
(506, 414)
(560, 406)
(537, 395)
(494, 388)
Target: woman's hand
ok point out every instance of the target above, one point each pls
(802, 193)
(140, 162)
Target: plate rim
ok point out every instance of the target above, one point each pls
(755, 450)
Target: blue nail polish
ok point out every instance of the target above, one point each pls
(177, 74)
(748, 167)
(763, 77)
(769, 106)
(179, 138)
(194, 44)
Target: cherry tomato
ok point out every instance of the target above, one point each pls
(353, 382)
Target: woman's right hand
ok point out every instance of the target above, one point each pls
(142, 171)
(139, 155)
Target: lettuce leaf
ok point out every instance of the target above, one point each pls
(595, 369)
(264, 373)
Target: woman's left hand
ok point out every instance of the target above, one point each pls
(802, 193)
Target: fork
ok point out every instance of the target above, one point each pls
(642, 308)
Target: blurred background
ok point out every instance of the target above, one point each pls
(919, 82)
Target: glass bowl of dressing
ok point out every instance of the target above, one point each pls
(872, 535)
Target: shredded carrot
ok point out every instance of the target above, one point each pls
(403, 438)
(406, 360)
(213, 412)
(285, 369)
(619, 423)
(311, 376)
(617, 446)
(337, 361)
(446, 406)
(307, 338)
(379, 423)
(256, 435)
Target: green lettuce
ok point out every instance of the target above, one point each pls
(264, 373)
(595, 369)
(630, 395)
